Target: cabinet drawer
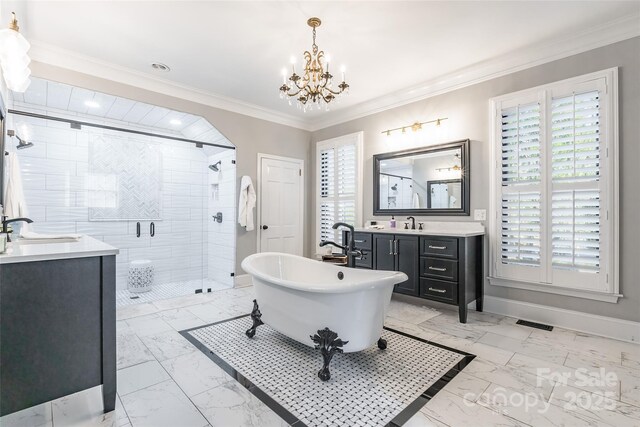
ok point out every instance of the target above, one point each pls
(363, 240)
(443, 247)
(366, 261)
(439, 290)
(439, 268)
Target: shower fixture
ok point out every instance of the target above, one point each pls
(21, 142)
(216, 166)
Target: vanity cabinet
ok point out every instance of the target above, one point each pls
(446, 269)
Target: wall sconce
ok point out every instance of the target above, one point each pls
(14, 58)
(414, 126)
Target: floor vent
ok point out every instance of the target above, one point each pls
(534, 325)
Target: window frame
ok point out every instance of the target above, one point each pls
(609, 175)
(356, 139)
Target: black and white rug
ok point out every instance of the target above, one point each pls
(369, 388)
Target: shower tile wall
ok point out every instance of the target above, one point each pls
(55, 174)
(221, 236)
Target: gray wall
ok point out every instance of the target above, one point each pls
(467, 110)
(250, 136)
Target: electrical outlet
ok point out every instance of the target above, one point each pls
(480, 214)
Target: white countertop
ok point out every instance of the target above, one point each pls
(83, 248)
(433, 228)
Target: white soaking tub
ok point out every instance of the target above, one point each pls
(299, 297)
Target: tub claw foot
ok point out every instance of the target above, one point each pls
(382, 344)
(255, 316)
(329, 344)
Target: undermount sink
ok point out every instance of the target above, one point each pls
(43, 241)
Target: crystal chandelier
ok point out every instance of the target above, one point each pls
(314, 87)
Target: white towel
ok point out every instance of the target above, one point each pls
(247, 201)
(15, 205)
(416, 200)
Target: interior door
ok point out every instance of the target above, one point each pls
(280, 205)
(408, 261)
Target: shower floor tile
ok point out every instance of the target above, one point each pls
(165, 291)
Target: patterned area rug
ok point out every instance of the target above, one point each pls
(369, 388)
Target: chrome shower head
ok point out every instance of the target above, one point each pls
(21, 142)
(216, 166)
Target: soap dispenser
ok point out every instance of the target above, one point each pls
(392, 223)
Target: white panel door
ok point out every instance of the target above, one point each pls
(280, 204)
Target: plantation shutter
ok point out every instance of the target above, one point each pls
(520, 209)
(576, 208)
(339, 171)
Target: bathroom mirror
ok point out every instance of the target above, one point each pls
(430, 180)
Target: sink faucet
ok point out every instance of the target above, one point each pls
(350, 248)
(6, 222)
(413, 222)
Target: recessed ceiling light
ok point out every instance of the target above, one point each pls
(91, 104)
(175, 122)
(159, 66)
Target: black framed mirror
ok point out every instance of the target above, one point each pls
(430, 180)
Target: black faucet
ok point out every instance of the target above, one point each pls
(6, 222)
(350, 248)
(413, 222)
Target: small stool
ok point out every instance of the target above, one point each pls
(140, 275)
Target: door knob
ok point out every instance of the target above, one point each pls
(264, 227)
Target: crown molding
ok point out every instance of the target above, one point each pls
(56, 56)
(602, 35)
(595, 37)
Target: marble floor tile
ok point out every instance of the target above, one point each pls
(232, 405)
(597, 407)
(456, 411)
(589, 380)
(150, 324)
(456, 329)
(36, 416)
(179, 302)
(135, 310)
(409, 328)
(631, 359)
(162, 405)
(597, 342)
(410, 313)
(531, 409)
(168, 345)
(131, 351)
(467, 386)
(195, 373)
(482, 351)
(510, 377)
(209, 312)
(420, 419)
(541, 351)
(82, 409)
(140, 376)
(181, 319)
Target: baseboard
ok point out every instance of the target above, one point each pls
(609, 327)
(242, 280)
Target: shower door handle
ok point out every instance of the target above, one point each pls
(138, 230)
(152, 229)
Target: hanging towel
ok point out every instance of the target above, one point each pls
(15, 205)
(416, 200)
(247, 203)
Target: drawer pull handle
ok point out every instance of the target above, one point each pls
(437, 268)
(437, 247)
(442, 291)
(359, 241)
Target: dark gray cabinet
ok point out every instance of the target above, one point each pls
(57, 330)
(440, 268)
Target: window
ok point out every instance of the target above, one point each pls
(555, 194)
(339, 177)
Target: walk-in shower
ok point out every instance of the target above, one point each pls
(215, 167)
(134, 175)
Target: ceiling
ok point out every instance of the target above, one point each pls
(236, 50)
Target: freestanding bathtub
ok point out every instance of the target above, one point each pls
(300, 297)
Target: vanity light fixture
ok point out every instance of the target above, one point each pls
(314, 86)
(14, 59)
(414, 126)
